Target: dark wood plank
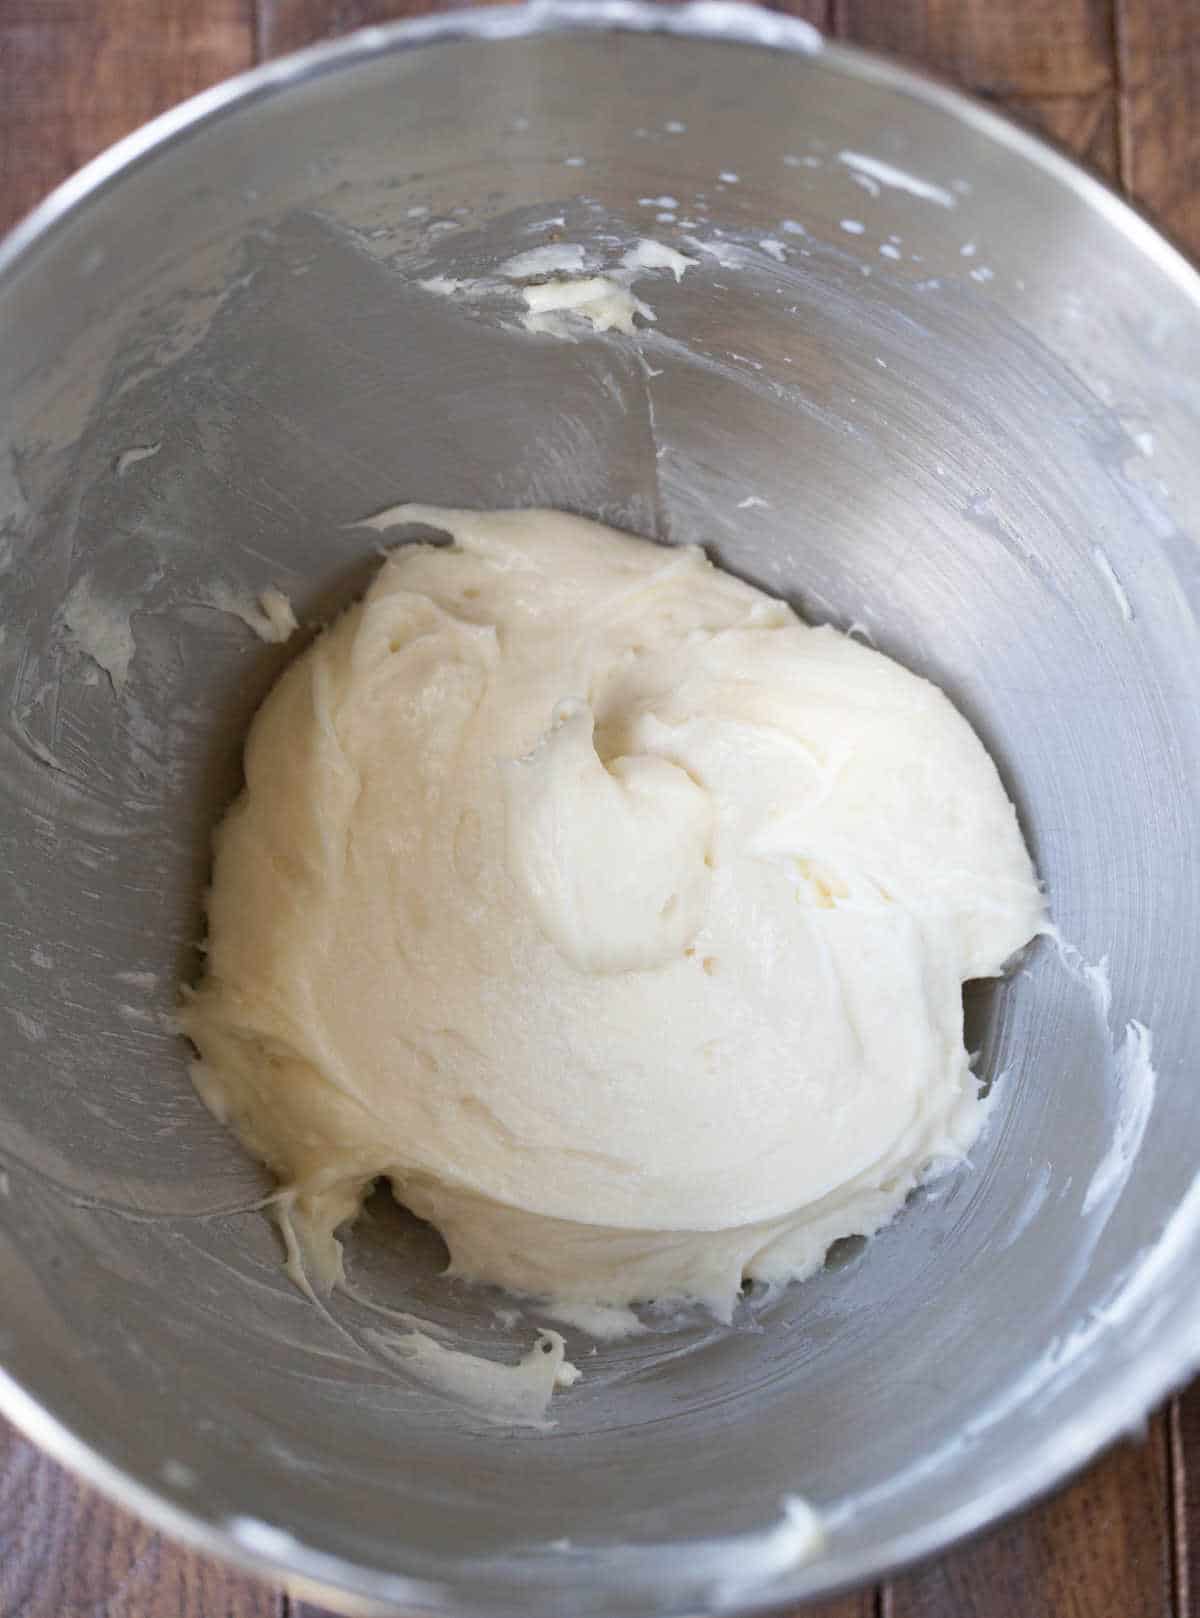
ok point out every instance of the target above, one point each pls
(75, 75)
(1185, 1499)
(821, 13)
(863, 1605)
(1064, 48)
(288, 25)
(1051, 65)
(1085, 124)
(1159, 86)
(66, 1553)
(1101, 1549)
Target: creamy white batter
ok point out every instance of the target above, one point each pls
(613, 914)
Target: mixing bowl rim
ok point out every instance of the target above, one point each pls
(1174, 1355)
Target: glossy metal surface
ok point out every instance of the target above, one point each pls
(961, 413)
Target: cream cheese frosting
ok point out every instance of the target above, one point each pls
(614, 915)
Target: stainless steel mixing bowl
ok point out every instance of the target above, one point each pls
(925, 376)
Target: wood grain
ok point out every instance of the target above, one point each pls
(76, 75)
(1158, 62)
(1184, 1418)
(1118, 82)
(1054, 66)
(1086, 125)
(66, 1553)
(863, 1605)
(287, 25)
(1100, 1549)
(1059, 49)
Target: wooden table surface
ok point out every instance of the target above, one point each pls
(1117, 81)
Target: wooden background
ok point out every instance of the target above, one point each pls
(1117, 81)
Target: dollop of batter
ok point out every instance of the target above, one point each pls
(613, 914)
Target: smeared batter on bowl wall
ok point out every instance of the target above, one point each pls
(615, 916)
